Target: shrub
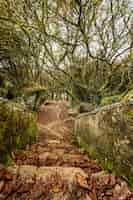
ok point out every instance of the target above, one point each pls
(17, 128)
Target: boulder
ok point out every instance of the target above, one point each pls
(17, 128)
(107, 134)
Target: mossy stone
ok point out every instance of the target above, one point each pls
(110, 99)
(18, 128)
(107, 134)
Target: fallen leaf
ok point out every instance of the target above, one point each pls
(1, 185)
(55, 190)
(7, 176)
(87, 197)
(82, 181)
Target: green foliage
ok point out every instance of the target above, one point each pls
(49, 34)
(17, 128)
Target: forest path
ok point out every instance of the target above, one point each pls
(55, 169)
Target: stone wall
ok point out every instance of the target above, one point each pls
(107, 134)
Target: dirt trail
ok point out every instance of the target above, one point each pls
(54, 169)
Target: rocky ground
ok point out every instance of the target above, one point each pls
(55, 169)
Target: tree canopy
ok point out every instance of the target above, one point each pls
(80, 44)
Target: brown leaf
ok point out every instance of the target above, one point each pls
(82, 181)
(7, 187)
(55, 189)
(121, 192)
(87, 197)
(8, 176)
(1, 185)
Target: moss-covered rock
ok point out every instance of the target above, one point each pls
(34, 96)
(110, 99)
(17, 128)
(107, 134)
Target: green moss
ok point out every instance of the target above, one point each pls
(129, 114)
(105, 156)
(6, 158)
(17, 129)
(128, 96)
(110, 99)
(33, 89)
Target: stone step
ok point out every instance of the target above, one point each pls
(53, 182)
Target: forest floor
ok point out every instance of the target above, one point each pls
(55, 169)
